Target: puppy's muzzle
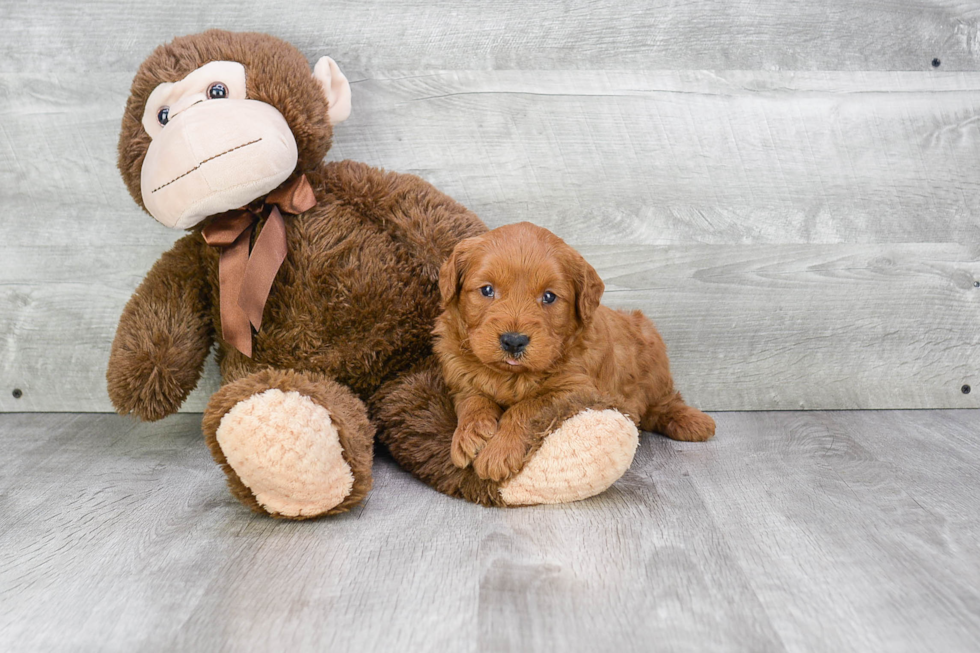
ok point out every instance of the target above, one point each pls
(514, 343)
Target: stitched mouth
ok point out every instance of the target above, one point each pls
(210, 158)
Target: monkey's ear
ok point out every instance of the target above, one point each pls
(336, 89)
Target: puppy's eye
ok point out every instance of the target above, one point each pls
(217, 91)
(487, 291)
(163, 115)
(548, 297)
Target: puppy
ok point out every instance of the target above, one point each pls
(522, 327)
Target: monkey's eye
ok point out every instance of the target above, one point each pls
(217, 91)
(163, 115)
(548, 297)
(487, 291)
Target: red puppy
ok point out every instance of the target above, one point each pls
(522, 326)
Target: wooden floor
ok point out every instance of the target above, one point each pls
(818, 531)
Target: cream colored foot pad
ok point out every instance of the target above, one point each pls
(285, 448)
(583, 457)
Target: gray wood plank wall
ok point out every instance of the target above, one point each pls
(789, 189)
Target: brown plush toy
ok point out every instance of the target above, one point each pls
(319, 283)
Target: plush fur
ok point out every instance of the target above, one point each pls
(523, 279)
(348, 321)
(417, 421)
(163, 337)
(355, 430)
(331, 329)
(276, 73)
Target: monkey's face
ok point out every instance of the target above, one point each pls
(227, 133)
(213, 149)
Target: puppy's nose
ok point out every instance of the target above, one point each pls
(514, 343)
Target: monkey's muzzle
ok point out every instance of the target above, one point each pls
(213, 157)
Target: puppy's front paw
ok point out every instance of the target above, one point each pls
(470, 437)
(501, 458)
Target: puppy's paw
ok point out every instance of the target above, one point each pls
(470, 437)
(690, 425)
(501, 458)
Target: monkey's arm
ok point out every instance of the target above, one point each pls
(410, 208)
(163, 336)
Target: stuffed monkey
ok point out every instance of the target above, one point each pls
(318, 282)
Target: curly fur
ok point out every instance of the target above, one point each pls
(349, 317)
(575, 345)
(418, 419)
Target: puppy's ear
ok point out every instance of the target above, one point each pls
(588, 288)
(452, 271)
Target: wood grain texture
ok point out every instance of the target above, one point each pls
(763, 326)
(599, 157)
(742, 163)
(772, 143)
(82, 37)
(836, 534)
(680, 157)
(808, 326)
(791, 531)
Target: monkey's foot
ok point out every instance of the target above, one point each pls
(284, 452)
(581, 458)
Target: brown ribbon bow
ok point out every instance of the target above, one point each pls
(245, 280)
